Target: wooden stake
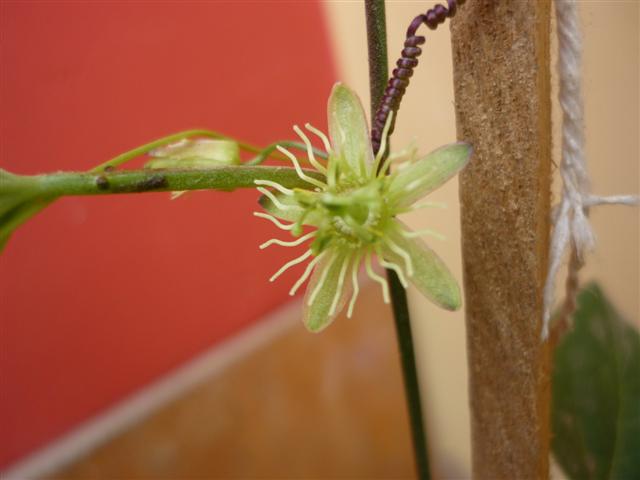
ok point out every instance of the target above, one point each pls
(502, 90)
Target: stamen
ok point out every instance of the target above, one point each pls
(336, 296)
(275, 221)
(383, 147)
(393, 266)
(312, 159)
(277, 186)
(322, 136)
(290, 264)
(354, 281)
(374, 276)
(306, 274)
(293, 243)
(407, 258)
(320, 284)
(275, 200)
(299, 171)
(421, 233)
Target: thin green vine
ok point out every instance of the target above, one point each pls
(378, 71)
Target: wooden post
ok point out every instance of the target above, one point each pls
(502, 90)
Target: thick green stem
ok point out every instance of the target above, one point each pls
(138, 181)
(378, 68)
(21, 196)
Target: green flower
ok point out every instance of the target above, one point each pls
(353, 215)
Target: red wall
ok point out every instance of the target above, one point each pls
(101, 295)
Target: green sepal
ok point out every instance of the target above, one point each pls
(431, 276)
(293, 213)
(428, 173)
(352, 154)
(316, 316)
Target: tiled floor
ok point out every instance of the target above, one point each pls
(306, 406)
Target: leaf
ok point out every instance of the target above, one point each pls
(19, 201)
(596, 394)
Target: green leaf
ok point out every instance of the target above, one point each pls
(19, 201)
(596, 394)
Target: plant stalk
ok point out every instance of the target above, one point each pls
(378, 71)
(138, 181)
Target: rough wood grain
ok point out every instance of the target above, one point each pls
(501, 73)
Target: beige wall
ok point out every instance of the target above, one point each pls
(611, 82)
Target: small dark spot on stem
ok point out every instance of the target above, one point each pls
(154, 182)
(109, 168)
(102, 183)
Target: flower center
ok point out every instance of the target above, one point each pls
(353, 217)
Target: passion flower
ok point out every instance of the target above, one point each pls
(353, 215)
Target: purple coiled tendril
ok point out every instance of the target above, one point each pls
(399, 80)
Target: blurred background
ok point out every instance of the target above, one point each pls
(139, 336)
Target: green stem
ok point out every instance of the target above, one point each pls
(378, 68)
(137, 181)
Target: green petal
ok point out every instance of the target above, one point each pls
(428, 173)
(431, 276)
(316, 316)
(349, 133)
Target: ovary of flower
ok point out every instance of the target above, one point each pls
(353, 215)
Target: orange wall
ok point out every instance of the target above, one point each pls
(99, 296)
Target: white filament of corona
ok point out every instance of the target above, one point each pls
(336, 297)
(312, 159)
(383, 147)
(421, 205)
(293, 243)
(290, 264)
(275, 200)
(277, 186)
(407, 258)
(414, 184)
(395, 267)
(354, 282)
(320, 284)
(374, 276)
(306, 274)
(322, 136)
(299, 171)
(275, 221)
(421, 233)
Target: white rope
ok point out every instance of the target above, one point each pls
(571, 225)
